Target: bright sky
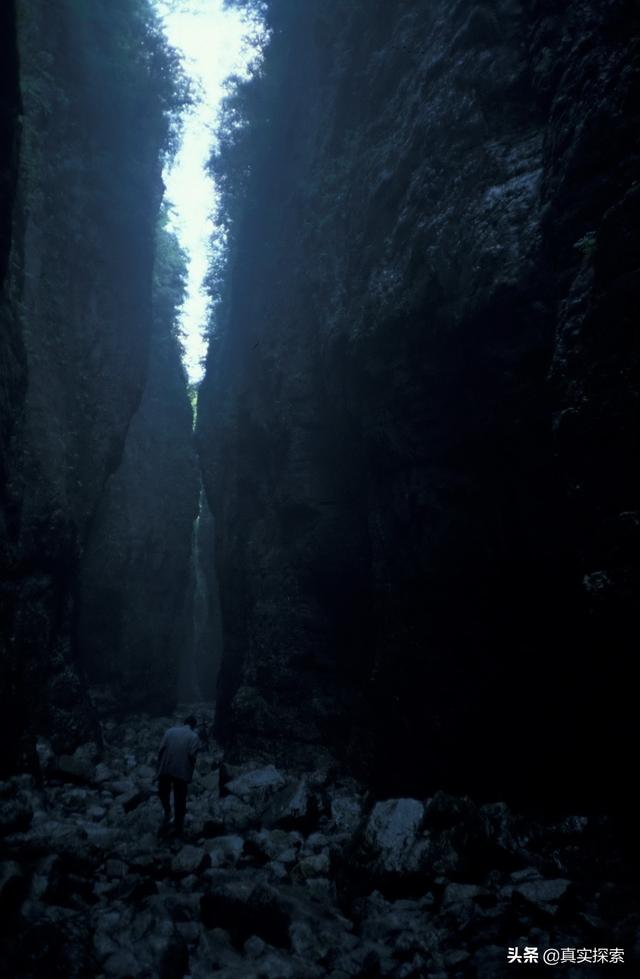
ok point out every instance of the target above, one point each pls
(212, 42)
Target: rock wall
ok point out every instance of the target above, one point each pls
(78, 301)
(9, 112)
(12, 358)
(419, 418)
(134, 616)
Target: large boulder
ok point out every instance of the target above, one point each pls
(230, 815)
(190, 860)
(256, 787)
(294, 807)
(392, 834)
(224, 850)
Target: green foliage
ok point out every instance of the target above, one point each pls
(169, 276)
(243, 132)
(170, 271)
(112, 59)
(129, 58)
(255, 8)
(102, 93)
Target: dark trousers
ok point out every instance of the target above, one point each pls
(165, 784)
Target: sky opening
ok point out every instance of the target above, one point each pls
(215, 42)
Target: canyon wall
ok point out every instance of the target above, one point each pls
(95, 87)
(418, 425)
(134, 616)
(12, 359)
(9, 114)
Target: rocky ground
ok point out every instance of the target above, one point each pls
(284, 875)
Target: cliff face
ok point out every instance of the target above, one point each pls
(9, 111)
(79, 297)
(134, 610)
(12, 363)
(11, 352)
(420, 411)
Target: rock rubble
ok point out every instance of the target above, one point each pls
(285, 875)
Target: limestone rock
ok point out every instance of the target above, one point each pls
(190, 859)
(392, 832)
(291, 807)
(543, 892)
(257, 786)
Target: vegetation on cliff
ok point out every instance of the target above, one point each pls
(418, 414)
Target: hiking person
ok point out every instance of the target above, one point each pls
(176, 762)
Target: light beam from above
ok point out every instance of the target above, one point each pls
(215, 43)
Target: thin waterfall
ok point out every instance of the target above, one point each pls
(188, 681)
(200, 663)
(200, 610)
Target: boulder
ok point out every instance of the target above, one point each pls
(460, 893)
(309, 943)
(210, 782)
(96, 813)
(190, 860)
(123, 786)
(224, 850)
(314, 866)
(232, 814)
(543, 892)
(499, 829)
(316, 843)
(527, 873)
(254, 947)
(392, 832)
(265, 845)
(291, 808)
(132, 800)
(99, 837)
(276, 871)
(102, 773)
(122, 964)
(256, 787)
(76, 768)
(215, 955)
(43, 880)
(346, 813)
(146, 772)
(74, 798)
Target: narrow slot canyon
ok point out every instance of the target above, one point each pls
(319, 456)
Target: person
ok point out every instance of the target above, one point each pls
(176, 762)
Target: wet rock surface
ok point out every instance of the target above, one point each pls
(437, 887)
